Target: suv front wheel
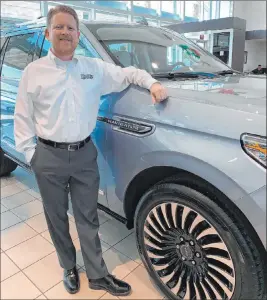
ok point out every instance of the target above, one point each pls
(193, 249)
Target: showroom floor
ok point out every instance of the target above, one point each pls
(29, 265)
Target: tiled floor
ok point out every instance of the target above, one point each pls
(29, 264)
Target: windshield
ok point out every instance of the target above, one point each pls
(154, 49)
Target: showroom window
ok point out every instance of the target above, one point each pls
(167, 6)
(180, 8)
(17, 54)
(105, 16)
(141, 3)
(193, 9)
(155, 5)
(206, 10)
(215, 9)
(127, 3)
(148, 4)
(225, 9)
(24, 10)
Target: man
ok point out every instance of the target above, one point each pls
(259, 70)
(58, 107)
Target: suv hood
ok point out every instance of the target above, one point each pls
(247, 94)
(226, 106)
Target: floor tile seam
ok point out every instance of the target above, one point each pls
(17, 272)
(40, 233)
(35, 261)
(81, 267)
(24, 221)
(3, 204)
(12, 194)
(121, 240)
(32, 226)
(22, 190)
(27, 218)
(5, 211)
(103, 223)
(20, 204)
(38, 259)
(22, 271)
(21, 221)
(10, 183)
(139, 263)
(53, 286)
(38, 198)
(37, 233)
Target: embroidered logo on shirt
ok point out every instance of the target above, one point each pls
(87, 76)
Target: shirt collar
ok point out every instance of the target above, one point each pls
(60, 62)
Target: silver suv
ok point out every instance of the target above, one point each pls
(188, 174)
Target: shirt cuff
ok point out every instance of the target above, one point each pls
(151, 82)
(29, 154)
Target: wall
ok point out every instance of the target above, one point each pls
(238, 47)
(254, 12)
(256, 54)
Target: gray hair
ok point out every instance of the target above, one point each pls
(61, 9)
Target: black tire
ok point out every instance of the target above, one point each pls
(6, 165)
(246, 264)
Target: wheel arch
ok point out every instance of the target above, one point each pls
(220, 182)
(158, 166)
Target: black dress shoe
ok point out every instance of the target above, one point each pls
(71, 280)
(110, 284)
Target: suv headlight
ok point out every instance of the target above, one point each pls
(255, 147)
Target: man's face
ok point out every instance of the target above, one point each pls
(63, 34)
(259, 67)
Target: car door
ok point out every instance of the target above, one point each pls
(17, 53)
(98, 136)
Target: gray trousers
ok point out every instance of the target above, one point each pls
(55, 169)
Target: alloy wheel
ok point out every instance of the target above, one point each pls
(187, 253)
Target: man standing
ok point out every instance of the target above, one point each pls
(58, 107)
(259, 70)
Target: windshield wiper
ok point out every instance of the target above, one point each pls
(173, 75)
(226, 72)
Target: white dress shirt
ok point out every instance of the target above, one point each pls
(59, 100)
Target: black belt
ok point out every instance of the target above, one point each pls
(67, 146)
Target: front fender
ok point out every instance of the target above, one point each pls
(247, 204)
(192, 165)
